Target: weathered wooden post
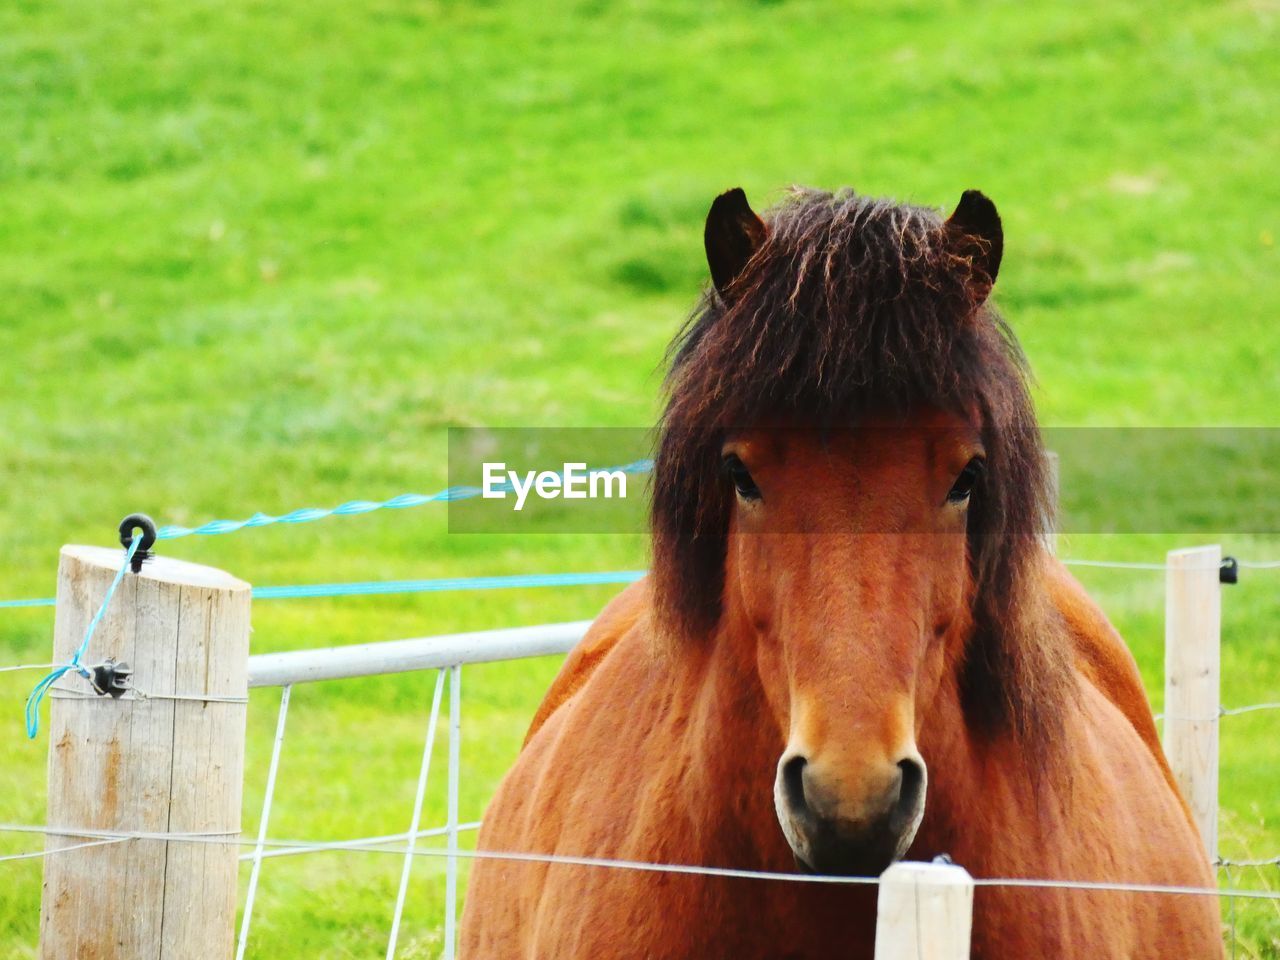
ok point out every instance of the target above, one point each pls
(925, 912)
(1192, 633)
(161, 759)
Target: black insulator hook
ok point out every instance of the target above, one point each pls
(111, 679)
(127, 526)
(1229, 570)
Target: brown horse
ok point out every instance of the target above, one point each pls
(853, 646)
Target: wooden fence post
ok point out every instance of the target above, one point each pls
(1192, 632)
(925, 912)
(150, 764)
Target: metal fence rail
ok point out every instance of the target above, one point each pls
(420, 653)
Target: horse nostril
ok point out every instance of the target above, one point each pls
(793, 782)
(910, 787)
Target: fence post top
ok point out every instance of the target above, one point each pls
(160, 569)
(911, 871)
(1185, 554)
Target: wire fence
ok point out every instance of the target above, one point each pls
(376, 845)
(405, 844)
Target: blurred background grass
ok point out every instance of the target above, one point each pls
(258, 254)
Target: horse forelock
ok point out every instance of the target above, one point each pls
(855, 305)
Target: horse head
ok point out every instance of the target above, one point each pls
(848, 486)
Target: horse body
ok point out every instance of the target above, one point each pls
(852, 647)
(653, 761)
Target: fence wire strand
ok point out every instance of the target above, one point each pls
(355, 507)
(41, 854)
(1227, 863)
(272, 769)
(645, 866)
(451, 836)
(1222, 712)
(338, 845)
(415, 821)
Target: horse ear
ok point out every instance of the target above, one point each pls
(733, 233)
(976, 225)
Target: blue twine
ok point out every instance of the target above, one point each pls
(355, 507)
(380, 587)
(41, 688)
(376, 587)
(37, 602)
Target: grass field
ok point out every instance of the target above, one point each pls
(259, 254)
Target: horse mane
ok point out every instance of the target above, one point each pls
(854, 305)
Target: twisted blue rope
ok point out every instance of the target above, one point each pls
(41, 688)
(380, 587)
(354, 507)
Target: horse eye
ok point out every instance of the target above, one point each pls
(968, 479)
(741, 478)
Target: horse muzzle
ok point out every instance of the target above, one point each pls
(833, 829)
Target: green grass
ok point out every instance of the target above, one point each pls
(258, 255)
